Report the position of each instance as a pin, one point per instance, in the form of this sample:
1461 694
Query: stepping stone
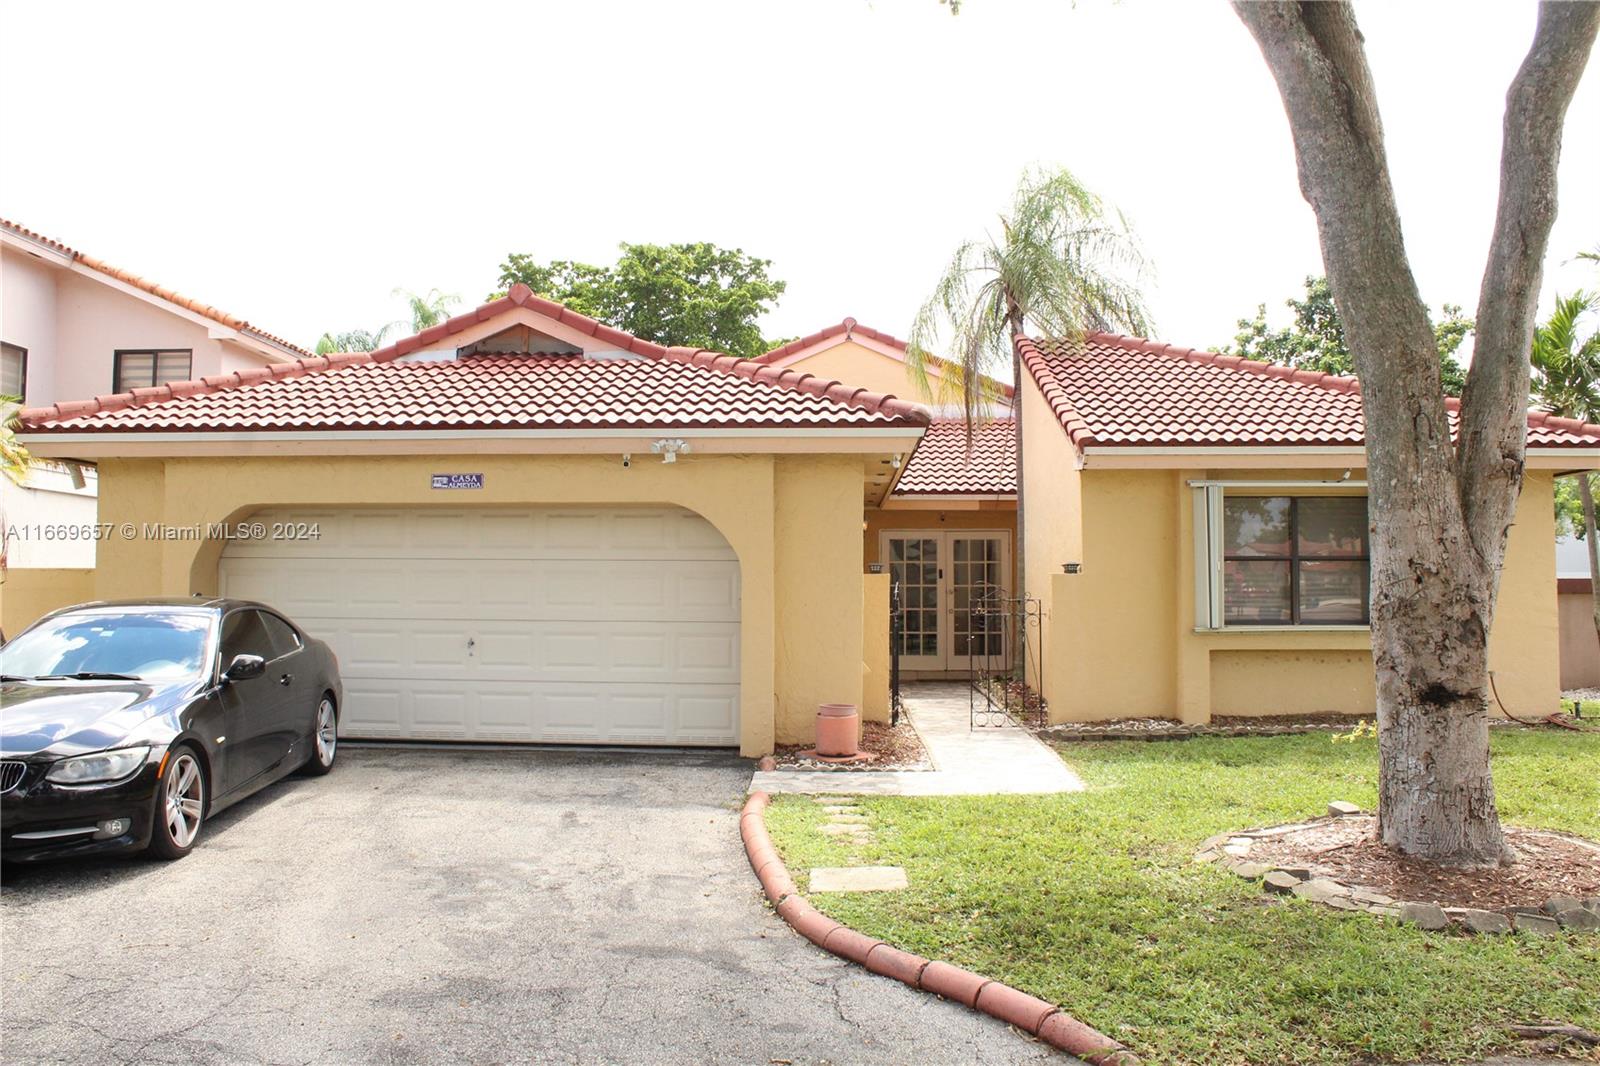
847 819
1342 809
858 879
841 808
855 832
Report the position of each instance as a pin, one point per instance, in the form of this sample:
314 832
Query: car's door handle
285 679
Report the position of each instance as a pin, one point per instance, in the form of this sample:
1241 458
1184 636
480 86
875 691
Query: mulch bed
896 747
1347 850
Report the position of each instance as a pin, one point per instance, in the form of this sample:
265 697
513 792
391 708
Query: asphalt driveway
430 906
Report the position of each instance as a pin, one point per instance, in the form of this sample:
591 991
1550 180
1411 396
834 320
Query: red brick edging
1033 1015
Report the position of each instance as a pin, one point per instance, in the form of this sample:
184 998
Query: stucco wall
864 368
1123 639
1580 647
27 594
819 589
1054 536
794 522
28 317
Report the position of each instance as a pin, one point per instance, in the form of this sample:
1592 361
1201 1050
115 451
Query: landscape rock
1536 924
1579 920
1428 916
1367 895
1281 882
1557 904
1486 921
1251 871
1592 903
1343 903
1237 850
1208 856
1299 873
1342 809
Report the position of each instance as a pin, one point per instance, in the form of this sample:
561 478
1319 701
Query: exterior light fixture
1072 568
668 448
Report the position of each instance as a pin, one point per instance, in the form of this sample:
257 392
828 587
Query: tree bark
1586 495
1440 512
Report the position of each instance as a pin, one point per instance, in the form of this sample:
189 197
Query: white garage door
578 625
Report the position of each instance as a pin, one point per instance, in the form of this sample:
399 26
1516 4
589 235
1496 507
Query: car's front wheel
180 806
324 738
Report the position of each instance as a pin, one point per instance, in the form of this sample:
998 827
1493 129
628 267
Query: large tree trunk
1586 494
1440 512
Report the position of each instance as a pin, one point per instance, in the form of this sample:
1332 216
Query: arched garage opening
571 624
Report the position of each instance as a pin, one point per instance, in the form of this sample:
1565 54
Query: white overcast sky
294 163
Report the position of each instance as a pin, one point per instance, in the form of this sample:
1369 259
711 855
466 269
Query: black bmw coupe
124 726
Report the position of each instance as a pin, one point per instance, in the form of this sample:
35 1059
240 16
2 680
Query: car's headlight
101 766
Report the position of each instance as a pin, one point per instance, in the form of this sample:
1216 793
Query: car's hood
68 717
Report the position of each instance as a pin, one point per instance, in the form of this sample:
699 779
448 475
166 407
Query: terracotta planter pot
838 730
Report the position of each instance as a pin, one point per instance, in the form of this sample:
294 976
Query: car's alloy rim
185 800
327 732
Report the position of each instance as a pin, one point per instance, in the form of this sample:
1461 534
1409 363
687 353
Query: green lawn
1091 901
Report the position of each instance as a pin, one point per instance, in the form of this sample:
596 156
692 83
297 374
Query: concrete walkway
967 762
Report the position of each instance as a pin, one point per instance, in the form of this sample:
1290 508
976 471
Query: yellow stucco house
1195 530
524 525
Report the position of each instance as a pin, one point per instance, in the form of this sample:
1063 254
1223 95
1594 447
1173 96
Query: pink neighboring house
72 326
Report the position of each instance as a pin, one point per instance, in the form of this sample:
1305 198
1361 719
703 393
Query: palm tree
427 310
1566 379
1062 262
355 340
14 457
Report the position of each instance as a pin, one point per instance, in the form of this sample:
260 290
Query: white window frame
1207 497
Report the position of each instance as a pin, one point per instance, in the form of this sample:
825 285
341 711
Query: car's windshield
160 646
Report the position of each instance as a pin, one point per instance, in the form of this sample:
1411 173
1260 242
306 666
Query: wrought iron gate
1006 632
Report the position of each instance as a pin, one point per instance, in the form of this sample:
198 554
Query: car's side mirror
244 667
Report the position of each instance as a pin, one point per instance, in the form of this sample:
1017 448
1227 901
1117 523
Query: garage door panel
544 713
588 625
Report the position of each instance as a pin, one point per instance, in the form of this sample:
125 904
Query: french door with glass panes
946 578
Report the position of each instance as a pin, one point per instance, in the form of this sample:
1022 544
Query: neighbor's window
143 368
1294 560
13 370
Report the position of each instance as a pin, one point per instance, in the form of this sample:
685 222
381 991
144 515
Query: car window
281 633
153 645
243 633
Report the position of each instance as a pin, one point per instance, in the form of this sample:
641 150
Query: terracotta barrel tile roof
944 465
848 327
665 388
851 328
1126 391
169 295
